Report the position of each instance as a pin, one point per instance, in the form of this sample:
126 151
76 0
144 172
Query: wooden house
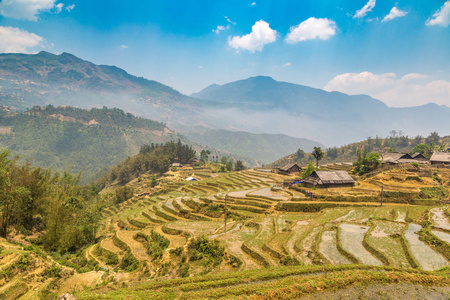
440 158
289 169
419 156
393 158
328 179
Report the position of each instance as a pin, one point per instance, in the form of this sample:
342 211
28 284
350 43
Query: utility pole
226 212
382 186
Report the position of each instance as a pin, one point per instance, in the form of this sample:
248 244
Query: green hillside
348 153
62 138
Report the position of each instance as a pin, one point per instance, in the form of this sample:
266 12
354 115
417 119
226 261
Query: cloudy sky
395 51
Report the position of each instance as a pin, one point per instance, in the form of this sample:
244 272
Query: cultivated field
271 234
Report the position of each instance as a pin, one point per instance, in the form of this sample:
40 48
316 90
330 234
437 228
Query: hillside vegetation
348 153
159 226
62 137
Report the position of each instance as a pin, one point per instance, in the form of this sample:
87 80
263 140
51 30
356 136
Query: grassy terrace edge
270 282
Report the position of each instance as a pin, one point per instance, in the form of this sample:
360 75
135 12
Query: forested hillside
396 142
89 141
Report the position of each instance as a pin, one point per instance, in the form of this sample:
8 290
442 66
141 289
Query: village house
440 158
329 179
394 158
419 156
289 169
178 165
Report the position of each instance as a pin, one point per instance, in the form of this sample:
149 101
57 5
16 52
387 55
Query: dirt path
424 255
137 248
89 253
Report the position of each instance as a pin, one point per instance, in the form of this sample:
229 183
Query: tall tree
318 155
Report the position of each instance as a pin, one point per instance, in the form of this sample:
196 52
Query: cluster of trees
366 161
33 199
155 158
227 164
104 116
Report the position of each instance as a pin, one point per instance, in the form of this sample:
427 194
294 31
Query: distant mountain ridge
257 105
332 117
264 148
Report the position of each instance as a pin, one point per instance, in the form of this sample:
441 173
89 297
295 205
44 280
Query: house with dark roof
440 158
328 179
419 156
289 169
395 158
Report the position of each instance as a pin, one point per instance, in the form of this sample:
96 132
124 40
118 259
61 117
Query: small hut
328 179
192 178
178 165
289 169
440 158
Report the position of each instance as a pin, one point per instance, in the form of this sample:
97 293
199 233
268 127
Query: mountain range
257 105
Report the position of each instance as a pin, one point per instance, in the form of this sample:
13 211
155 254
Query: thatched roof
286 167
329 177
440 157
394 157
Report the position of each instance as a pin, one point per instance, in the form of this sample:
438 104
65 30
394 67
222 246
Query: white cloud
361 13
410 90
15 40
394 13
288 64
123 47
25 9
253 3
59 7
220 28
441 17
229 21
70 7
261 35
312 29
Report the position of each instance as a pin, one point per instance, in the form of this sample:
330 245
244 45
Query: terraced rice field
427 258
261 234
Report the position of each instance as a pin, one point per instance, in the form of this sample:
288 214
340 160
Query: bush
202 248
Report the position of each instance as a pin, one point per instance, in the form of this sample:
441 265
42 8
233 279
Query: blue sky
396 51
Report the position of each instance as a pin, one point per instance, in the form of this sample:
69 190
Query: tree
424 149
300 154
239 165
433 138
308 170
318 155
332 152
366 162
203 156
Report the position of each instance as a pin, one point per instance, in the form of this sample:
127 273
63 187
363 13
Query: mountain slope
264 148
334 118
